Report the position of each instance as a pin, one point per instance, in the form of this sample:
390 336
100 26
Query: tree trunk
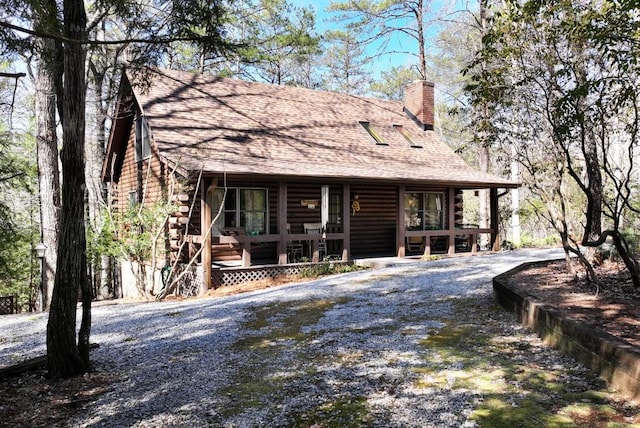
64 357
421 44
94 153
483 135
626 256
593 226
48 172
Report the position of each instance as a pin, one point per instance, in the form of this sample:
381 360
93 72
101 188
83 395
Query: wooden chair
294 248
415 244
313 228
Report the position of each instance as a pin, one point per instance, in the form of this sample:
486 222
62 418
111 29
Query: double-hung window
424 211
143 139
241 207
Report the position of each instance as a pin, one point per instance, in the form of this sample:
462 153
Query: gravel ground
346 346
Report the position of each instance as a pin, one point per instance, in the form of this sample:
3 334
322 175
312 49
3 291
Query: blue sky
400 42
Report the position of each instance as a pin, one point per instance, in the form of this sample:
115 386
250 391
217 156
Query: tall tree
378 21
452 49
48 86
482 130
581 59
64 357
273 36
103 64
189 21
19 275
344 66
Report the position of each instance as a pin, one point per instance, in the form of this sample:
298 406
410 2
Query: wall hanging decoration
309 203
355 205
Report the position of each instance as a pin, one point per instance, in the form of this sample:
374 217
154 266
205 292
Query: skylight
407 136
378 139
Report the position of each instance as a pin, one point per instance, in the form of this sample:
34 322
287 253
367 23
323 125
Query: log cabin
280 175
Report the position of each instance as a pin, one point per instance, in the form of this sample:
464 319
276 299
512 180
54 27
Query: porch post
495 237
282 223
400 227
205 220
246 252
451 214
346 219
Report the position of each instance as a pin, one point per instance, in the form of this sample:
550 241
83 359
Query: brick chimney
418 103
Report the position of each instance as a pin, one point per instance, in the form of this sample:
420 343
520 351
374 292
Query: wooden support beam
346 216
206 191
246 253
495 236
400 226
315 252
282 223
451 219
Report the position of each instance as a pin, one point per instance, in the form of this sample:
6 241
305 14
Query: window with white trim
424 211
243 207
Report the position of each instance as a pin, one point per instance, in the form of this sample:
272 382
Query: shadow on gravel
412 346
517 380
416 345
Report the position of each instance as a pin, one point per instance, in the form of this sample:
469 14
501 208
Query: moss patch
472 349
342 412
468 354
274 330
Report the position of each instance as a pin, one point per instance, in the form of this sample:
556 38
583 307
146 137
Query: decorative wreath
355 207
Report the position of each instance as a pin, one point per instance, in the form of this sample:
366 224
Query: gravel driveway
347 350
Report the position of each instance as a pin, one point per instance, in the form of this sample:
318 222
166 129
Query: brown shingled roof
225 125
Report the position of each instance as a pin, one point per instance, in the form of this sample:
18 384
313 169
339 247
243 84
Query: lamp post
41 249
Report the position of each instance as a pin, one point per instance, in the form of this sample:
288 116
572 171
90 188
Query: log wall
147 178
298 214
373 228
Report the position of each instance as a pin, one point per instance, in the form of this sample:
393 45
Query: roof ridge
209 78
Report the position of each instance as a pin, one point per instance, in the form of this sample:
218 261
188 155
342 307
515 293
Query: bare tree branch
12 75
150 40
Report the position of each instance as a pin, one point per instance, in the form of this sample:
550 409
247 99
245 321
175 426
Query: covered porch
253 221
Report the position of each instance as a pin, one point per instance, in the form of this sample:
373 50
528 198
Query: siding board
373 228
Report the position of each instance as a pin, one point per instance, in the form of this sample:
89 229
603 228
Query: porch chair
312 228
294 248
415 244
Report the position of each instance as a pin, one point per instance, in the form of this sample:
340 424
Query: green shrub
528 241
328 268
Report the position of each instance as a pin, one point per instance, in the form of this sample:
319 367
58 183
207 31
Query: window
407 136
335 208
143 140
331 208
378 139
253 210
424 211
133 197
246 208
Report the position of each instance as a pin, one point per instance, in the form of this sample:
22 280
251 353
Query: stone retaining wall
613 359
